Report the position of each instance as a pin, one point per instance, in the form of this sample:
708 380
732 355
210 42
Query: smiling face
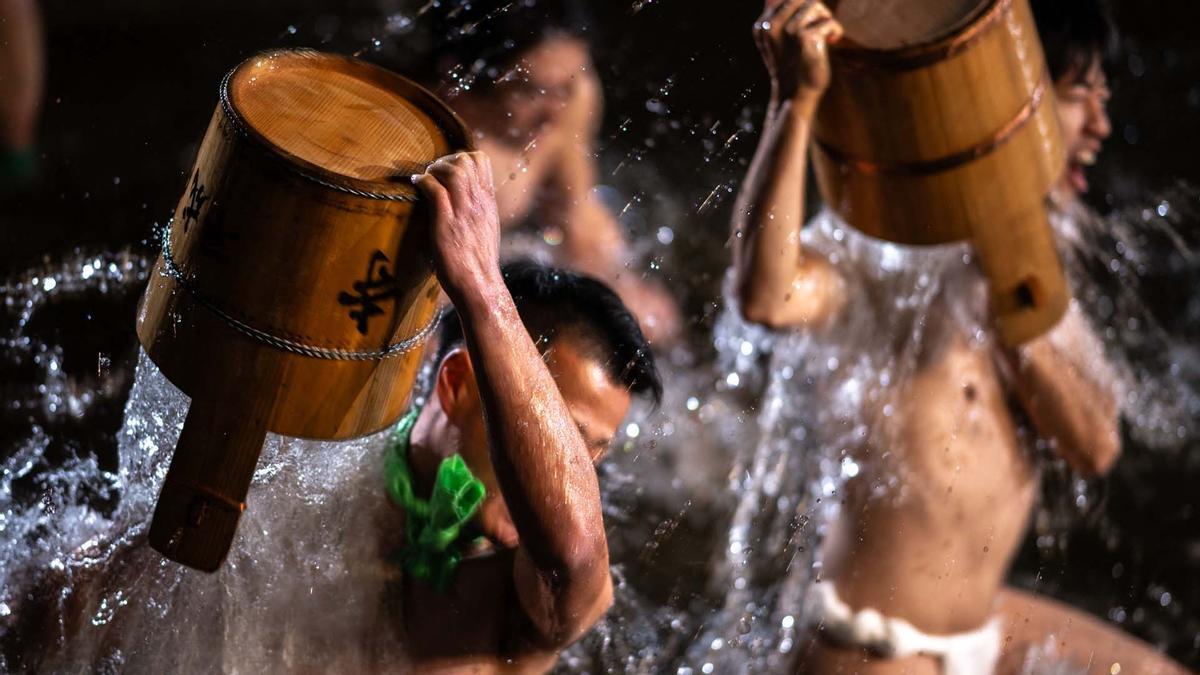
1082 94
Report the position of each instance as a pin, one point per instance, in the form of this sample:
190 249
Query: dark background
132 84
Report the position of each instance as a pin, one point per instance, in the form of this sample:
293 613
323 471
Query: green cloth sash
435 529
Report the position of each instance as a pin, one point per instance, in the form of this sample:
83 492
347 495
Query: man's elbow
575 625
1096 454
764 316
1107 450
584 597
757 308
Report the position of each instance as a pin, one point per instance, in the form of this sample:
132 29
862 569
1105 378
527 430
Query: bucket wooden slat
947 139
295 290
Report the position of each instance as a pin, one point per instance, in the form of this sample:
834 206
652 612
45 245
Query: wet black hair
473 42
555 303
1073 32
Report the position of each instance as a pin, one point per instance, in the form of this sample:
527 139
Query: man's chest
473 616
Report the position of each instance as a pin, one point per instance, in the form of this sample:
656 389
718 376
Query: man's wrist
805 103
804 100
479 292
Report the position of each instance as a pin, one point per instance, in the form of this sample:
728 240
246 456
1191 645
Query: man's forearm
770 209
540 459
1068 406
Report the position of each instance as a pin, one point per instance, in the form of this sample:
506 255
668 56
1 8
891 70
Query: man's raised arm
540 458
592 239
776 285
1069 393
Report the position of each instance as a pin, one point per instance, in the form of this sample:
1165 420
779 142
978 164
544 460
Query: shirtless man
915 583
535 106
535 373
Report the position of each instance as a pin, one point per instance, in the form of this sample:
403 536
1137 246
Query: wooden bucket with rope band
294 293
938 126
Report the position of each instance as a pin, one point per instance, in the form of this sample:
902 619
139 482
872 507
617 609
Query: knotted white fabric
971 653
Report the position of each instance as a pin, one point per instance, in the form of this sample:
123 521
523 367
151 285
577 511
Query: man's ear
455 385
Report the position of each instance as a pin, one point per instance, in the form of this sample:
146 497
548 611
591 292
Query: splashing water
303 585
818 388
306 586
827 390
1110 260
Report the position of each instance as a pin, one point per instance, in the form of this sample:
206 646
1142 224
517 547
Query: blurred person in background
521 75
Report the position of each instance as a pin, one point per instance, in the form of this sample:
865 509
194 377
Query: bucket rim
848 52
458 134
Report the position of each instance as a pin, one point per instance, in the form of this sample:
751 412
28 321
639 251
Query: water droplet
849 468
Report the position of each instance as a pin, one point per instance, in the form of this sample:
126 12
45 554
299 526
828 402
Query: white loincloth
970 653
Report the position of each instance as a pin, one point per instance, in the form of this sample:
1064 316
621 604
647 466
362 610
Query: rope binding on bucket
404 346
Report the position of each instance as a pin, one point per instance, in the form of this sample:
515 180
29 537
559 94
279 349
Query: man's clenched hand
466 227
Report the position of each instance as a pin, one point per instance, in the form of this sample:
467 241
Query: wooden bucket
294 293
939 125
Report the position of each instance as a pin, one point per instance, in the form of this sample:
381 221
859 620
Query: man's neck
427 448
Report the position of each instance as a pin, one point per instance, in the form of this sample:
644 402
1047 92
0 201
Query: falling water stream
761 441
716 503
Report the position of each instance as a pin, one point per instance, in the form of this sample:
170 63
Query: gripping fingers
485 166
434 191
816 27
475 163
773 22
811 15
832 32
824 31
456 174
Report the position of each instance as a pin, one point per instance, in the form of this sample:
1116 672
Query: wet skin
478 624
538 125
966 500
938 554
531 428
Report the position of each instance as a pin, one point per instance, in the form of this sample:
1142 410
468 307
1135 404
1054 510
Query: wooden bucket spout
939 126
295 292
